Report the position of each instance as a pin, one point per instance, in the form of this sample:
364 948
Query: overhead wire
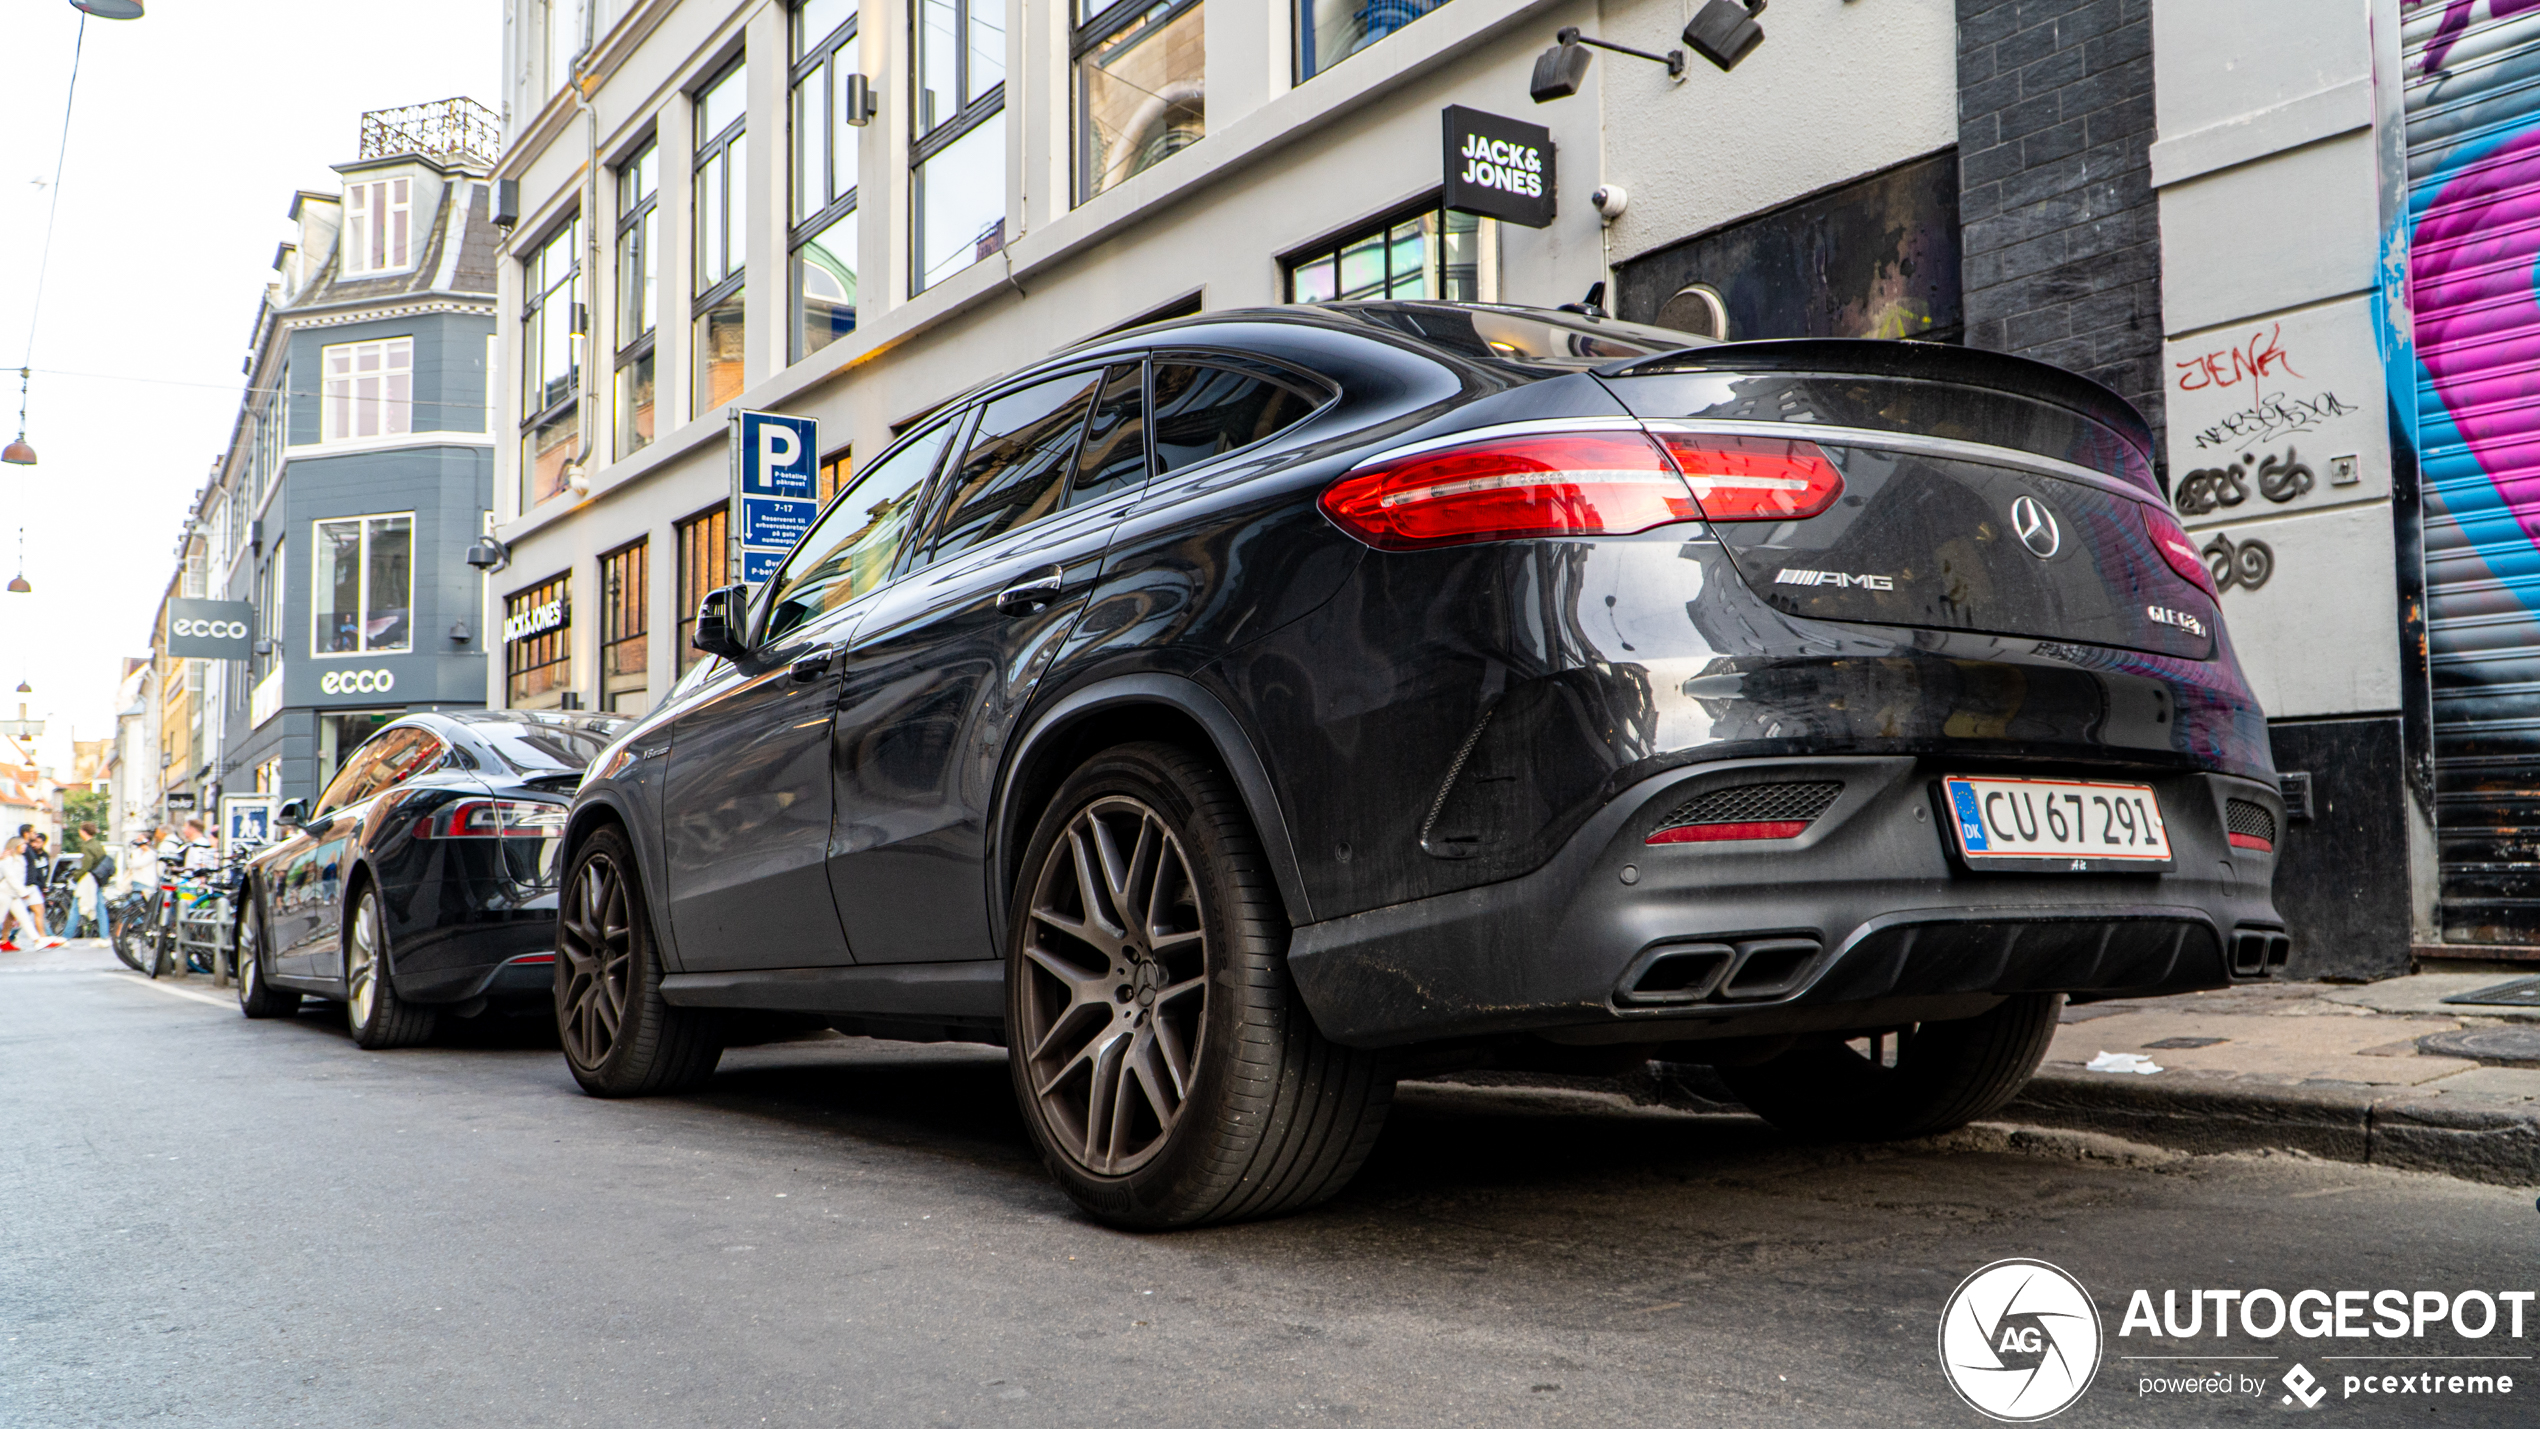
35 307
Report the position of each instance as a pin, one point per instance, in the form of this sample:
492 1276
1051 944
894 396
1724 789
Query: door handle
1033 593
812 666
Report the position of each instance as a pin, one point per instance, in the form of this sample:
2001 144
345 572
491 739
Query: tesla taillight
497 819
1604 483
2178 549
1754 478
1731 833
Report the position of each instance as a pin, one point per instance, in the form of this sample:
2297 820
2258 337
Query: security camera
1610 200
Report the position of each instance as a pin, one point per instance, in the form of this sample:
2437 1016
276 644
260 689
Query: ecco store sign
210 629
357 682
536 620
1498 167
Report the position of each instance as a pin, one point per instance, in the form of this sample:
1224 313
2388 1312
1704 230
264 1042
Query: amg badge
1795 576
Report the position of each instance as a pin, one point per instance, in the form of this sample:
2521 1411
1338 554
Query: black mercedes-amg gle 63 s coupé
1230 715
424 880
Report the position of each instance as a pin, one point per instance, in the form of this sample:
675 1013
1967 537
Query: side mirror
719 618
293 811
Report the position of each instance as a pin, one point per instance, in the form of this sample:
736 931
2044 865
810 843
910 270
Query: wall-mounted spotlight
860 103
1722 31
488 555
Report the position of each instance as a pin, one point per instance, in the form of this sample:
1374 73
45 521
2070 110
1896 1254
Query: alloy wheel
361 965
243 954
1116 954
595 938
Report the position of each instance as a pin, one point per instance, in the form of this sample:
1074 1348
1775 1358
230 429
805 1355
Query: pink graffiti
2478 321
2455 23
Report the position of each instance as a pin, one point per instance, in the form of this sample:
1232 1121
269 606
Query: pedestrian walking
38 861
17 905
88 894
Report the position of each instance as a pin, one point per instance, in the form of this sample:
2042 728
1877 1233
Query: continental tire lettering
357 682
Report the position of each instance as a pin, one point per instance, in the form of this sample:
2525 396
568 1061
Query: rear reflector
1754 478
2252 841
1608 483
526 959
1714 833
2178 549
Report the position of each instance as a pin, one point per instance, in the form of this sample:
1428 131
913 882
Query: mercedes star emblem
2037 528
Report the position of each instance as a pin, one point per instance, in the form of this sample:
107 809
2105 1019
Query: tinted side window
849 550
1018 463
1202 410
1114 457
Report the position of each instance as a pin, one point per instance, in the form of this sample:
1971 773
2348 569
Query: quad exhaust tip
2259 952
1753 969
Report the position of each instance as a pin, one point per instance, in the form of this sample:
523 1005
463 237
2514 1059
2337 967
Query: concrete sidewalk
2341 1072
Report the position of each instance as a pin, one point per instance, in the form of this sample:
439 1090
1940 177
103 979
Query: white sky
194 125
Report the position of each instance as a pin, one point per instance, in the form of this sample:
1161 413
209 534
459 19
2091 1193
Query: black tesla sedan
424 880
1227 714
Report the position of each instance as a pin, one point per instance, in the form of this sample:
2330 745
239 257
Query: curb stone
2338 1121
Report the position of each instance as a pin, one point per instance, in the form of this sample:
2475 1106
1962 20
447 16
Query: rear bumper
1864 920
457 939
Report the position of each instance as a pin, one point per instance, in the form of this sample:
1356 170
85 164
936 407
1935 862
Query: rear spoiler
1912 362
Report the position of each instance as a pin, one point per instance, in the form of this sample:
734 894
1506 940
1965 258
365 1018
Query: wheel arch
1123 709
604 808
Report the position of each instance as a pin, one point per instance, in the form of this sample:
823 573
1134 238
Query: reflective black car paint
455 911
1480 724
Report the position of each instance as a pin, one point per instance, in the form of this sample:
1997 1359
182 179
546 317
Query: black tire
132 939
380 1019
620 1038
256 997
1912 1081
1267 1116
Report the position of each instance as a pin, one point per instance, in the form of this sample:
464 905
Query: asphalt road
206 1221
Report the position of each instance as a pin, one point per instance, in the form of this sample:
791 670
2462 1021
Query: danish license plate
2057 825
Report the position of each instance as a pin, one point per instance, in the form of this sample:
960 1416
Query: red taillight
1754 478
497 819
2253 841
1563 484
1714 833
2178 549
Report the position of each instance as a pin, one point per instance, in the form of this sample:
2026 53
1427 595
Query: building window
834 475
625 583
364 584
550 365
1429 253
1140 90
957 209
538 645
378 227
822 238
1329 31
369 389
272 579
638 291
705 562
718 199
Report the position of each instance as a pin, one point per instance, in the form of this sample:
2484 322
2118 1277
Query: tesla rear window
537 747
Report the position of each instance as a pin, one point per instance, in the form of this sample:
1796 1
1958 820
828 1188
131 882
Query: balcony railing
455 130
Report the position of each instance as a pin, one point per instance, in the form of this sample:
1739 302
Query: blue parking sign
775 481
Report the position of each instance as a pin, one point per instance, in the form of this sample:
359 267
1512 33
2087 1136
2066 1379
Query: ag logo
2033 521
357 682
210 629
2019 1340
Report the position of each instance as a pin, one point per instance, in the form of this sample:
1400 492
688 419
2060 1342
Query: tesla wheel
257 997
381 1019
620 1038
1163 1060
1909 1081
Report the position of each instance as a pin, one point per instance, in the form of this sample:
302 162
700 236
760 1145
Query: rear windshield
1524 335
1922 541
549 745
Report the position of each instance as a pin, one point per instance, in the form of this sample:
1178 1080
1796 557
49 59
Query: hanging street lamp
109 9
18 453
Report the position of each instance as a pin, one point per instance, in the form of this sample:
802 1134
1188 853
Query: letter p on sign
778 447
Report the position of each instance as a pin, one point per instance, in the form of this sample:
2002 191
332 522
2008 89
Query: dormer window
378 226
